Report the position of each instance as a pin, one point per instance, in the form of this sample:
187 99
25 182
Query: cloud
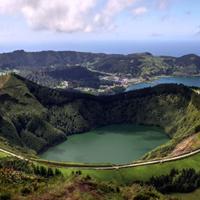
163 4
140 11
57 15
111 10
66 15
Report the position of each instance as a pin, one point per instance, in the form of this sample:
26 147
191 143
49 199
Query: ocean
167 48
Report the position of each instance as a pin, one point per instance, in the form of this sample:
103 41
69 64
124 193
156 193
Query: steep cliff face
38 117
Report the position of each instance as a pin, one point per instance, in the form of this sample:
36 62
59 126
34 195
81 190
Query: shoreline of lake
154 79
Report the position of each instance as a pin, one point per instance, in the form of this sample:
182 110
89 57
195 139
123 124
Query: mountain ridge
130 63
95 73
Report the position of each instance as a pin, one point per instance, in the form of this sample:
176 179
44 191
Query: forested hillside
141 64
37 117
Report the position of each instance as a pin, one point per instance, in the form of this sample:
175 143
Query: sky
33 22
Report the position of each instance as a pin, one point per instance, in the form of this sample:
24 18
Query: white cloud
59 15
163 4
66 15
112 9
140 10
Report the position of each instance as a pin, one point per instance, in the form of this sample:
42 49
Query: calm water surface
156 47
186 80
110 144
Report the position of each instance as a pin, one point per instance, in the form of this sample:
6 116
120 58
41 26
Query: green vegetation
2 154
143 173
184 181
141 64
113 184
23 180
18 177
189 196
19 112
35 117
51 68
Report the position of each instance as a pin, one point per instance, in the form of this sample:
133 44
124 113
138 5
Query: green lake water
111 144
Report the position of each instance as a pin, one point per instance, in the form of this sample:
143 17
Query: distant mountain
22 59
143 64
76 76
36 117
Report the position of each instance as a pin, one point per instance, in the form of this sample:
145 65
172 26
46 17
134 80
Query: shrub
43 171
58 172
50 172
46 172
146 196
117 189
16 164
78 173
25 191
88 177
186 180
5 196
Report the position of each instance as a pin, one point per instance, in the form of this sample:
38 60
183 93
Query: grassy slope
128 175
190 196
184 123
114 178
77 188
20 111
19 181
3 155
122 178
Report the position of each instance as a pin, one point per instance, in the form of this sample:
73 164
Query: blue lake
186 80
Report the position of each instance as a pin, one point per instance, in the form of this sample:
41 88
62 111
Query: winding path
101 167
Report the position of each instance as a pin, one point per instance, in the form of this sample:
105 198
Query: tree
58 172
50 172
43 171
